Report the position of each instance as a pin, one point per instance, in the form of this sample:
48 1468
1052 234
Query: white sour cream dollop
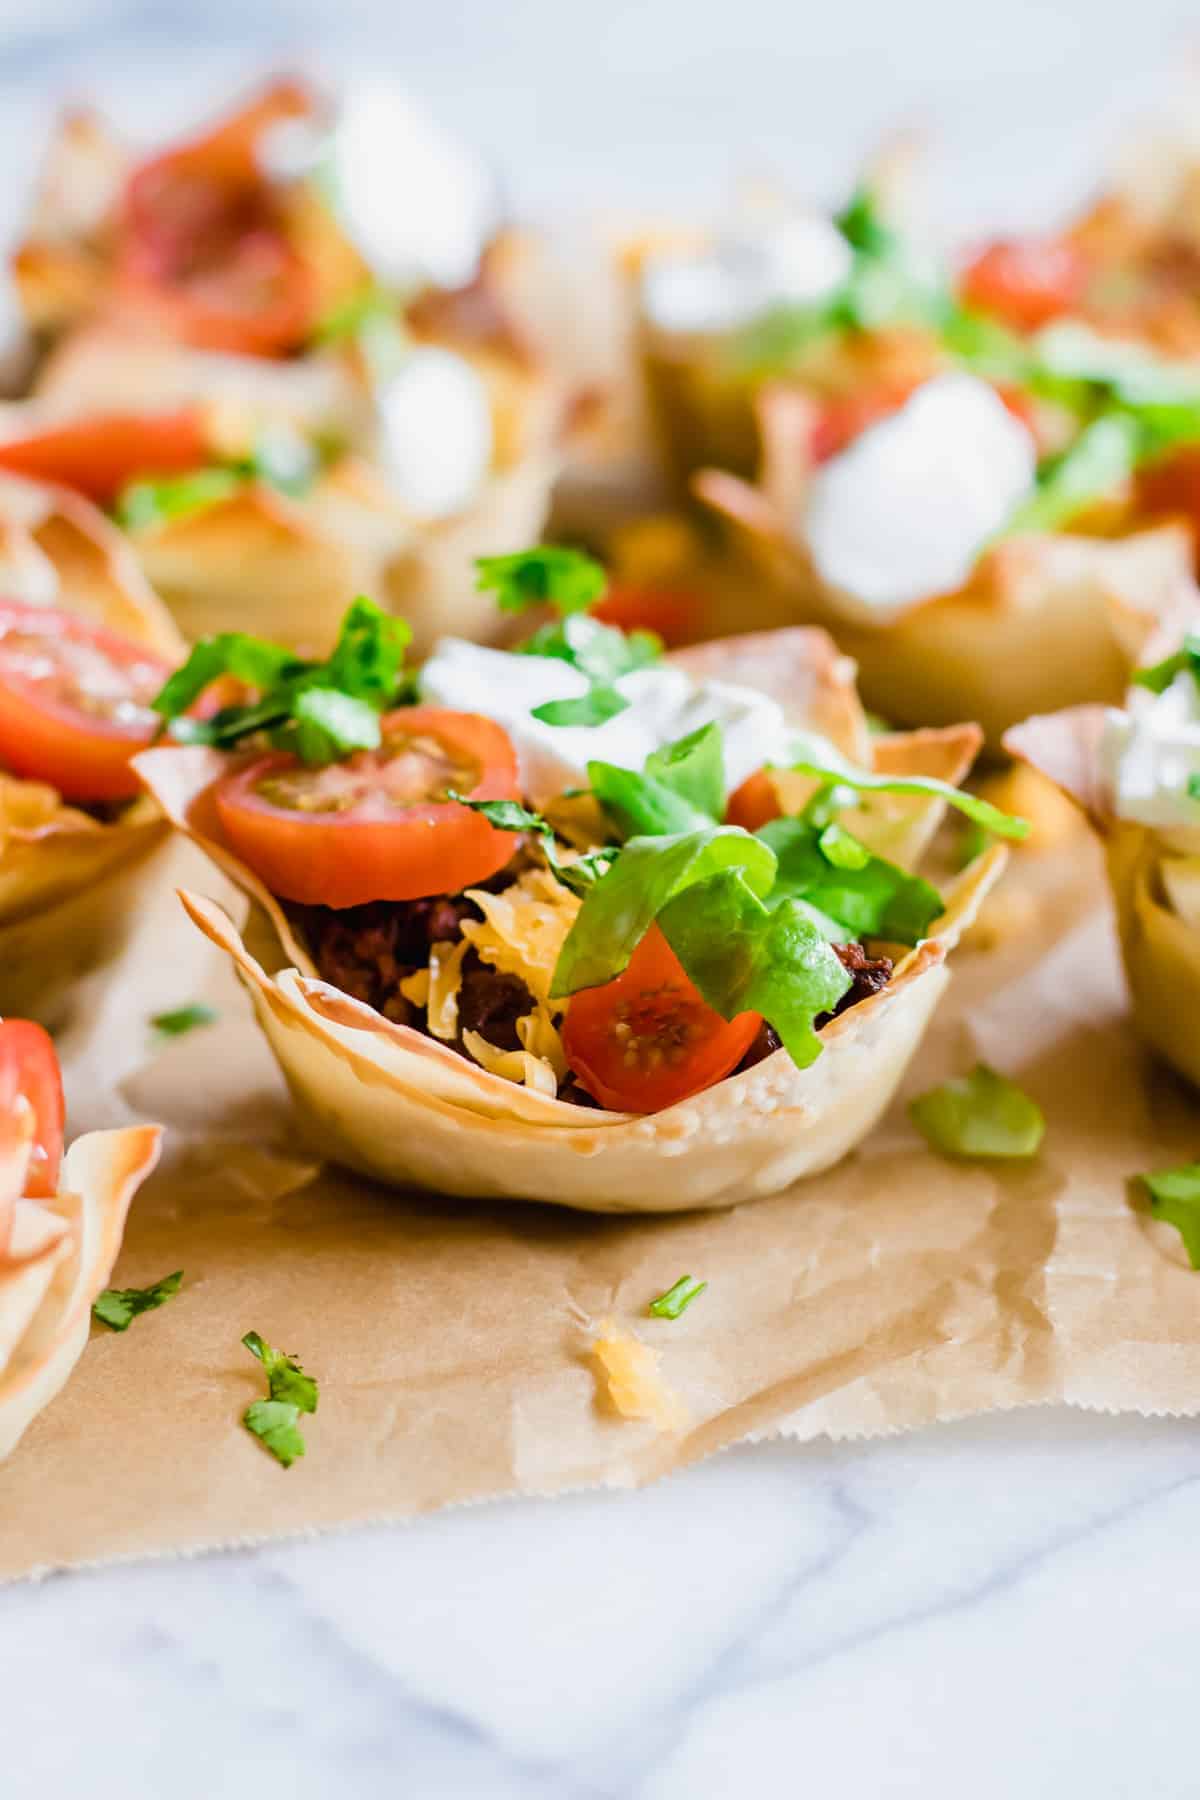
904 512
418 205
799 258
664 704
434 432
1149 752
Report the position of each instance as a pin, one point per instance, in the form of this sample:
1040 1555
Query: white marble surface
1005 1607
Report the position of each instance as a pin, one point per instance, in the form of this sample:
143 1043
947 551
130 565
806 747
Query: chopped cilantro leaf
118 1307
183 1019
549 575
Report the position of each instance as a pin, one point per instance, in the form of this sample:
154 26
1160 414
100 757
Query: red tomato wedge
29 1072
101 455
647 1039
377 826
202 249
1026 281
754 803
670 612
74 702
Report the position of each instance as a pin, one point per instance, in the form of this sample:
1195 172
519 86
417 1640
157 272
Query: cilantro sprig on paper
119 1307
319 710
570 582
677 1299
275 1421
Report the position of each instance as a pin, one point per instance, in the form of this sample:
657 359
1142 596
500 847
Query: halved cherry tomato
754 803
1026 281
74 702
647 1039
29 1072
101 454
202 247
377 826
672 613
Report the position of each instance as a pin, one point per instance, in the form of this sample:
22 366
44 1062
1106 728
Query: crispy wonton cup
404 1108
1044 622
1160 950
286 566
58 1257
69 884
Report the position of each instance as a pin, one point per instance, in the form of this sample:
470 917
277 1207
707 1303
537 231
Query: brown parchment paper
451 1341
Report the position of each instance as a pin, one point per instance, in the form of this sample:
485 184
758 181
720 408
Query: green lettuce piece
118 1307
650 871
548 575
681 787
1175 1197
982 1115
677 1299
320 711
151 502
1161 675
1127 371
743 956
1101 459
862 892
817 757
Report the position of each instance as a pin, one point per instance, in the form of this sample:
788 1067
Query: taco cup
1022 621
60 1226
1128 771
76 835
259 496
452 1003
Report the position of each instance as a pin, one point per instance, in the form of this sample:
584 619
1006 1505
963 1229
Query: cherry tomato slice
377 826
202 249
754 803
1026 281
29 1071
647 1039
669 612
101 455
74 702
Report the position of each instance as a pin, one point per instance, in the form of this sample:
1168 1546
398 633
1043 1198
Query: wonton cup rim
101 1173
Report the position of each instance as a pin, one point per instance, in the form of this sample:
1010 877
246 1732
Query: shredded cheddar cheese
512 1065
27 806
522 929
635 1386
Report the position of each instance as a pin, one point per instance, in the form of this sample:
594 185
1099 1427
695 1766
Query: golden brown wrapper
400 1106
1045 622
58 1261
1160 951
69 884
